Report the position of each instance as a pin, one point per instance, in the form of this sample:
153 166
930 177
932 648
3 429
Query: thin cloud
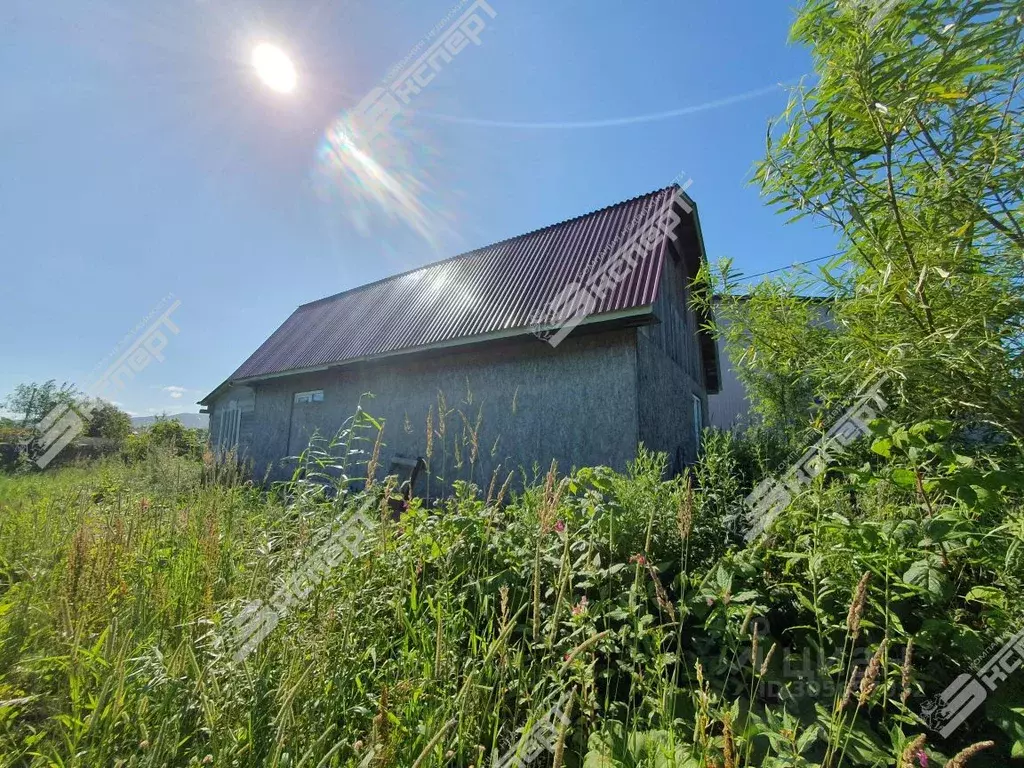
608 122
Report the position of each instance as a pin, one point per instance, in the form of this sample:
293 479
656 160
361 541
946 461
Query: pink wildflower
560 526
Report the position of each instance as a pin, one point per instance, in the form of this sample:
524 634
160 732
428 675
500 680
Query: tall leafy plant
908 143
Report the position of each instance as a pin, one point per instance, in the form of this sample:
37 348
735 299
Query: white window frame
229 421
312 396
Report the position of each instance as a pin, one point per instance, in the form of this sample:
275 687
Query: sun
274 67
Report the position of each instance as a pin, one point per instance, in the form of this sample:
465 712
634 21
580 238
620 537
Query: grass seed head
767 659
746 620
490 488
869 682
442 416
908 759
559 754
371 467
856 611
430 431
729 744
960 758
684 512
855 678
905 671
504 490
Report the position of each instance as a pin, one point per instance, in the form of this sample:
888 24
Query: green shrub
166 433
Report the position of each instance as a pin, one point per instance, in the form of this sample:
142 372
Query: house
574 342
729 408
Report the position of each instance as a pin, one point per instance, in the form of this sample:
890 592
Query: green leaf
904 478
723 577
927 575
882 447
1010 720
983 496
987 595
743 597
807 738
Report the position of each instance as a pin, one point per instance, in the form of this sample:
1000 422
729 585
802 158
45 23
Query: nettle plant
930 531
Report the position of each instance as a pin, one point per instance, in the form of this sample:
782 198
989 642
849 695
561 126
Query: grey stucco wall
730 407
666 404
670 373
576 404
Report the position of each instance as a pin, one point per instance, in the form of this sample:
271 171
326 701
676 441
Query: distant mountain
190 420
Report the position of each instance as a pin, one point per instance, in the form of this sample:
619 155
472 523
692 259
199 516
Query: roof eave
632 316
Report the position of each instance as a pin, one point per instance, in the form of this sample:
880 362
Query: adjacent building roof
501 289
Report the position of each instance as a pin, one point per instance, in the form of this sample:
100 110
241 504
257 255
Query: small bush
166 433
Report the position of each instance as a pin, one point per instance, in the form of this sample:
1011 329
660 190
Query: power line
791 266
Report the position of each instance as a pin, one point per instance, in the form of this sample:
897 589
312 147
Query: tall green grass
455 628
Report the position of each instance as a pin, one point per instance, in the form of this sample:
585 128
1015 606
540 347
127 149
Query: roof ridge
496 243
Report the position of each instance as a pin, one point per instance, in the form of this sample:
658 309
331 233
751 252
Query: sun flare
274 67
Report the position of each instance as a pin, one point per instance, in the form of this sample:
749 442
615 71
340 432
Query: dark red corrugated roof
499 288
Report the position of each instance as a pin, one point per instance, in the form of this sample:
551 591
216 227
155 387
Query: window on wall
229 420
313 396
698 420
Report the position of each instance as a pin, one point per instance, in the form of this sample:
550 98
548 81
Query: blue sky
143 157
